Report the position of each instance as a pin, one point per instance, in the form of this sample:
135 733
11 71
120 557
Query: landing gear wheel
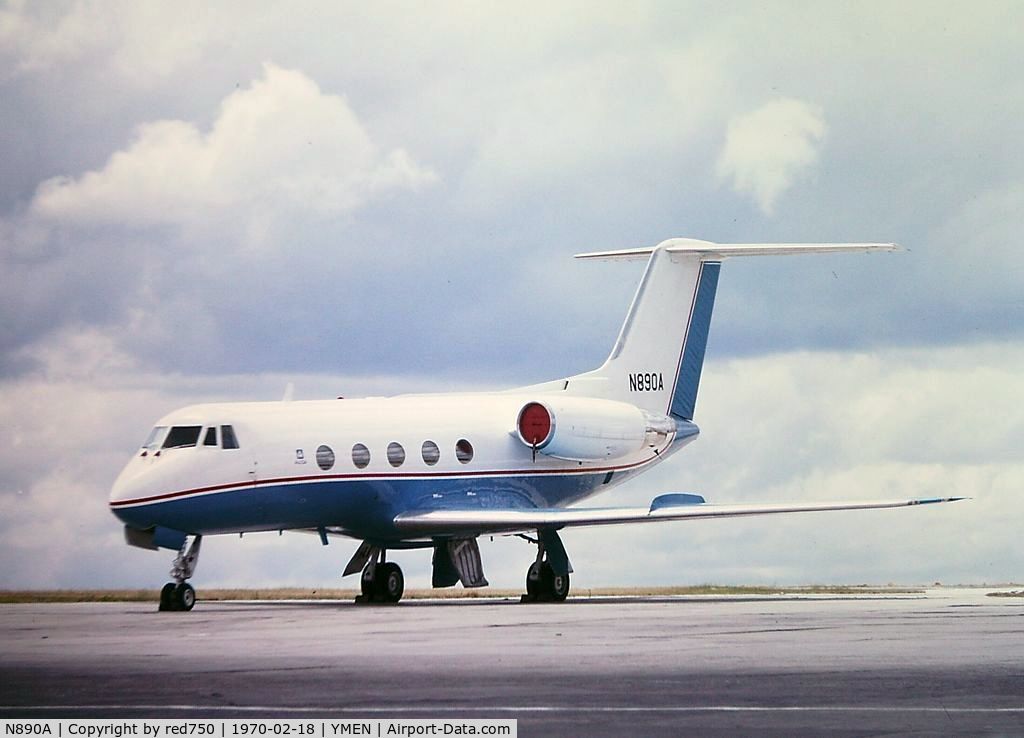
534 583
386 585
184 597
391 582
543 585
167 597
559 587
179 595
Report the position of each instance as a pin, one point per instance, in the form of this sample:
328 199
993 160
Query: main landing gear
543 585
547 579
381 580
179 595
458 560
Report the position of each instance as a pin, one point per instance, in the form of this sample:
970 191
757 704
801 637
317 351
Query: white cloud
30 42
138 41
80 353
156 238
768 149
599 119
983 231
279 145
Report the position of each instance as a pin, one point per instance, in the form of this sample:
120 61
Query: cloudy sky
205 203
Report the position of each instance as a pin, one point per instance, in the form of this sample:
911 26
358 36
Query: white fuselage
304 464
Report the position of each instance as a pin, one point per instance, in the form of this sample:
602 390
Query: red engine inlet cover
534 424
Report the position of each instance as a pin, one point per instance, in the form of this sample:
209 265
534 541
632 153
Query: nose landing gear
179 594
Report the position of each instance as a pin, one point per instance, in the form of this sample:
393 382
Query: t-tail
657 360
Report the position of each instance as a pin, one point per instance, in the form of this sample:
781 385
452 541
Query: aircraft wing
487 521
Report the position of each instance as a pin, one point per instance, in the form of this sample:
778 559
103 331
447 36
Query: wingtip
936 500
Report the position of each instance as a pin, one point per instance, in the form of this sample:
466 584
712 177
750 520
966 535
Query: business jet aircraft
438 471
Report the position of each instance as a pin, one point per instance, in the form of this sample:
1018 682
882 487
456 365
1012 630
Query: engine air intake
535 425
590 429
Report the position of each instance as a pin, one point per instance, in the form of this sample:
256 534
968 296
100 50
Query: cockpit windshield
187 436
182 436
156 436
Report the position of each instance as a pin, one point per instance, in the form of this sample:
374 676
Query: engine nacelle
583 429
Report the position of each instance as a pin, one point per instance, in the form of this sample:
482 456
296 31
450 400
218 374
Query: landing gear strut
179 595
547 579
381 580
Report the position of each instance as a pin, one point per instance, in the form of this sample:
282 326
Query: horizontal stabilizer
479 522
714 251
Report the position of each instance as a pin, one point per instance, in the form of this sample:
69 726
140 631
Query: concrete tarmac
946 662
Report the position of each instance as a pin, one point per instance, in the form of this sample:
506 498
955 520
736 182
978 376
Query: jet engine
584 429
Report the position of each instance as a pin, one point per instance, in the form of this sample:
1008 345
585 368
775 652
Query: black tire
184 597
534 582
167 597
366 585
559 587
392 582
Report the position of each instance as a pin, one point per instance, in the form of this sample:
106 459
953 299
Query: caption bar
145 728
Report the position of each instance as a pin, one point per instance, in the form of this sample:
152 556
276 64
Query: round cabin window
396 454
325 457
464 451
431 453
360 456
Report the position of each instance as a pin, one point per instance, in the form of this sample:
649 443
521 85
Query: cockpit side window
227 437
210 439
182 436
155 437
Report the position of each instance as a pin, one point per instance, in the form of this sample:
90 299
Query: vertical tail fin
657 359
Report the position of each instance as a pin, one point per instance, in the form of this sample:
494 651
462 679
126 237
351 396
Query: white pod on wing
585 429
